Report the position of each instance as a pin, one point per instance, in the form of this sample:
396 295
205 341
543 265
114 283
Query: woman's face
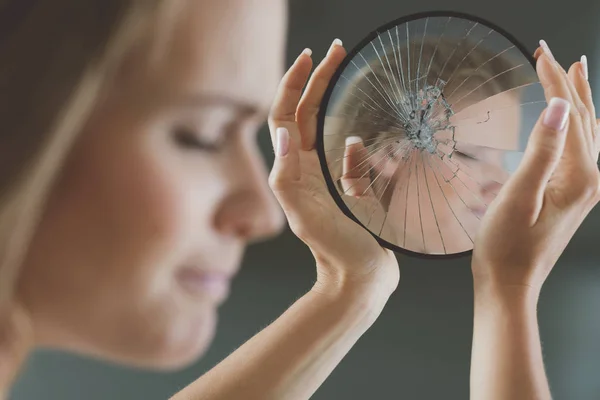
150 217
432 203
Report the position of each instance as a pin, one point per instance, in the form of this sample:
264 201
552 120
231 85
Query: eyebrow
244 107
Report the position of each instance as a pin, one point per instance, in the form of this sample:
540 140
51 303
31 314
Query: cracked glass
421 126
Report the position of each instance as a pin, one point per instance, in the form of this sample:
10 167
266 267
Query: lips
204 284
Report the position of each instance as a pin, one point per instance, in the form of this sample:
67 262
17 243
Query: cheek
149 204
122 217
157 212
114 218
125 213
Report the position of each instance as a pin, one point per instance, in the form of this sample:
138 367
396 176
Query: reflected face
437 105
147 225
433 202
448 193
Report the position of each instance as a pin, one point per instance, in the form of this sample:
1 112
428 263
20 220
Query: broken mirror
422 124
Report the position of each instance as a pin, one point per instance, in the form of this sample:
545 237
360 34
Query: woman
133 185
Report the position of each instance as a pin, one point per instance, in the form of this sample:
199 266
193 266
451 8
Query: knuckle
282 117
575 112
273 122
299 229
302 112
583 112
276 182
306 110
549 87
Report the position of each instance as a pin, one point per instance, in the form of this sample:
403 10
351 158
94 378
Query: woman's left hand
556 186
347 255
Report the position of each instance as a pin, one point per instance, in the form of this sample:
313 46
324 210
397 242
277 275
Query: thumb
543 153
355 179
286 168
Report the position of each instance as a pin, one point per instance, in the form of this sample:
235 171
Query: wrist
369 288
364 300
507 296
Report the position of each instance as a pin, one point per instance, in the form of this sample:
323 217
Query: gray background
420 346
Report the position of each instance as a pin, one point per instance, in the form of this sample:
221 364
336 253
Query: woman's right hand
539 209
347 255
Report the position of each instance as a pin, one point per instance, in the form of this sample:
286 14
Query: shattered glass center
425 112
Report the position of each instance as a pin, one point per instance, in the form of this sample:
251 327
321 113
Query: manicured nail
546 49
307 51
336 42
584 66
557 114
283 142
350 140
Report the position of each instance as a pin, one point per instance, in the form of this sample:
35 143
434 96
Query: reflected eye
464 155
190 140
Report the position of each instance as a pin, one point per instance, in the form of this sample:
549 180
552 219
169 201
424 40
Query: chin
173 348
180 348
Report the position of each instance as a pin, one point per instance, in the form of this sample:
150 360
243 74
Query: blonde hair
55 63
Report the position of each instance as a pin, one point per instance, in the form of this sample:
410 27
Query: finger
542 156
356 182
355 179
578 76
555 84
579 107
285 104
311 100
286 168
538 52
546 51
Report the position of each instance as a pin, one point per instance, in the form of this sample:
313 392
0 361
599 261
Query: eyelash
463 155
189 140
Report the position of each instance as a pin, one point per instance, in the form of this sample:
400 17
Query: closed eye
464 155
189 140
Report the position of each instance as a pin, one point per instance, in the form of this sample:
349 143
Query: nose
249 210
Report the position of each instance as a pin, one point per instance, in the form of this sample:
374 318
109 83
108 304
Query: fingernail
307 51
336 42
283 142
350 140
557 114
546 49
584 66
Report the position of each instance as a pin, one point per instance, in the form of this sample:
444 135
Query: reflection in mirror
423 124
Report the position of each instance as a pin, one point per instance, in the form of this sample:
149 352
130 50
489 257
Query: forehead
230 48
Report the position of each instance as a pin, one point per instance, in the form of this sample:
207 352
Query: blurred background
420 346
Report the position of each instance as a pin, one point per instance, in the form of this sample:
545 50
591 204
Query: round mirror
421 126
